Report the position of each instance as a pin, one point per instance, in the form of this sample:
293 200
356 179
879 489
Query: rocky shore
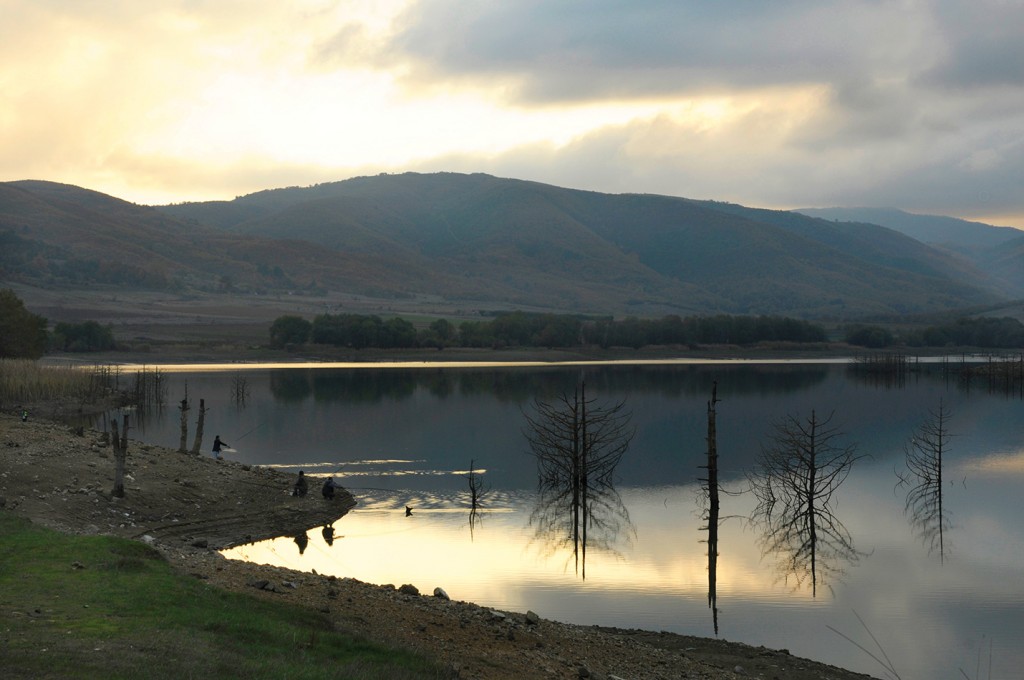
189 507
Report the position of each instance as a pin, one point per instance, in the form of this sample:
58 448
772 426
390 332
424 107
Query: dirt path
190 506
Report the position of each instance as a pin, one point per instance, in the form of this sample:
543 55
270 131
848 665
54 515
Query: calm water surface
402 436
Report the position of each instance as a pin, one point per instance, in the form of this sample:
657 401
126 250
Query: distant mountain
491 243
998 252
59 235
956 234
643 252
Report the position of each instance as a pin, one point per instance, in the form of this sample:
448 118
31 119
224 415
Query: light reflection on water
660 583
407 438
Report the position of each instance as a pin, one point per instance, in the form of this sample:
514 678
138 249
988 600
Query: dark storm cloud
982 45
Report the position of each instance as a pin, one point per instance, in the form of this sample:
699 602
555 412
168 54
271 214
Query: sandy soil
190 506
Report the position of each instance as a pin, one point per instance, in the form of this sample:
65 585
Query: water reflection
477 490
710 493
797 475
415 451
328 533
301 540
924 507
578 445
521 384
596 519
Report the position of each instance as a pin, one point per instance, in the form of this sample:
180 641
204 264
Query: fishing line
250 431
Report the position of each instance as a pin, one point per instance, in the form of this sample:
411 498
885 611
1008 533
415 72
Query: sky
911 104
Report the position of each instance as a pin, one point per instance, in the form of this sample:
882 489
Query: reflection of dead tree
561 526
578 446
710 488
477 490
120 444
924 463
239 389
798 474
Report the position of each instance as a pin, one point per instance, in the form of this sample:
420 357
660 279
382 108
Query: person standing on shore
301 486
217 446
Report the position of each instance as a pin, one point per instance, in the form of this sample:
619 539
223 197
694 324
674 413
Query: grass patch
75 606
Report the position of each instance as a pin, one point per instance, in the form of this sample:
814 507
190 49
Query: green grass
125 613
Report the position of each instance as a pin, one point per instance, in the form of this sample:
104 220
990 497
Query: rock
200 543
532 618
259 584
409 589
498 616
439 592
148 540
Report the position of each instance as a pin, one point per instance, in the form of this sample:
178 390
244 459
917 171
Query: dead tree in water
198 441
477 490
183 407
924 504
798 474
578 446
711 490
239 389
120 444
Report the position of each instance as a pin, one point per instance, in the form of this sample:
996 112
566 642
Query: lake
408 435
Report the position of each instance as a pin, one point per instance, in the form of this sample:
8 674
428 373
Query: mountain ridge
503 243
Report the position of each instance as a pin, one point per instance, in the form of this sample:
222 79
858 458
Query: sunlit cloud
918 105
1010 463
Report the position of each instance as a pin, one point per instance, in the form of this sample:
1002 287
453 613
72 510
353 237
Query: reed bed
23 381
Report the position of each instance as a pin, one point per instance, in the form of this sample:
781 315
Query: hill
996 251
479 242
571 249
63 236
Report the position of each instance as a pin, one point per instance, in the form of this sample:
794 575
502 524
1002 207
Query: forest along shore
188 507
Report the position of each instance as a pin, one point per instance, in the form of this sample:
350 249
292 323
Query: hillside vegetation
484 243
997 252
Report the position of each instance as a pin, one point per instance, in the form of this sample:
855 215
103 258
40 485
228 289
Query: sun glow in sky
916 104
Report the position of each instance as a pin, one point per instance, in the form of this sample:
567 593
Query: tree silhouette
924 505
710 490
578 445
796 478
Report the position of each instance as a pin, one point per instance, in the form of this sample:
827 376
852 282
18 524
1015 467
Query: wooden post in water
120 444
184 408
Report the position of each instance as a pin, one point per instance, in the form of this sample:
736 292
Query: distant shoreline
188 357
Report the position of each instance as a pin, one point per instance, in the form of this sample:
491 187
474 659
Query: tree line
24 335
984 332
523 329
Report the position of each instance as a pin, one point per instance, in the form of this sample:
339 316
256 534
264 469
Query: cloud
912 103
982 45
575 51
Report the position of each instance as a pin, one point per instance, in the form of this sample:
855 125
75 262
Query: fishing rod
250 431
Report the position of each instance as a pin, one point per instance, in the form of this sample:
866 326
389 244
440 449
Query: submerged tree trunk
201 421
713 506
183 407
120 444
